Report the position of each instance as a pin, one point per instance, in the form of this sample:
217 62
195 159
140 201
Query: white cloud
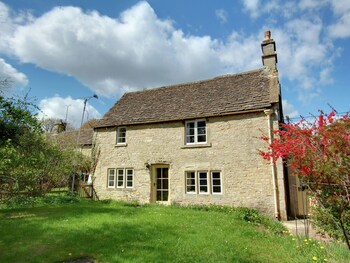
222 15
58 108
14 77
289 110
252 6
304 56
136 51
341 29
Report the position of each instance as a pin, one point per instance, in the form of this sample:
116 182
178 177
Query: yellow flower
325 259
293 238
321 247
305 240
314 258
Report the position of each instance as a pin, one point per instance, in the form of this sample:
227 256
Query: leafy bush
323 222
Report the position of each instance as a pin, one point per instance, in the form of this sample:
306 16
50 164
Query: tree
319 154
29 161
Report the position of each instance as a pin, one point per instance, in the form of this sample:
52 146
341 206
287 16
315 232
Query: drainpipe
269 113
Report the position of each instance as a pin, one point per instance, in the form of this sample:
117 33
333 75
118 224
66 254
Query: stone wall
233 144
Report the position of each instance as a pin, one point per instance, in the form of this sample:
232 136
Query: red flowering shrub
319 154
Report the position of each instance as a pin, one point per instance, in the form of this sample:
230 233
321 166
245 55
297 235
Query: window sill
120 189
204 145
121 145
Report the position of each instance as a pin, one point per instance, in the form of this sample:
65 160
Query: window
121 135
198 182
191 182
111 178
129 178
120 178
203 183
196 132
216 182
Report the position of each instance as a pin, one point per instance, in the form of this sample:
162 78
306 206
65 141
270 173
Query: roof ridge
197 81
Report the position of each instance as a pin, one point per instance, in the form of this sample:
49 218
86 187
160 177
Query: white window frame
108 177
126 178
196 132
119 137
123 177
200 182
212 184
195 182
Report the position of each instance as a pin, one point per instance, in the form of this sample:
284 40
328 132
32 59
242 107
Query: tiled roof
68 139
222 95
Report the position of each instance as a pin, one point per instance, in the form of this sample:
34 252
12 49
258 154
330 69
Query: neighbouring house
196 143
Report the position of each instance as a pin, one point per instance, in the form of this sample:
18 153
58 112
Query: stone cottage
196 143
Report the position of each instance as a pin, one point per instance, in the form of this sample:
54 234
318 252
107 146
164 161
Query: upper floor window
121 135
196 132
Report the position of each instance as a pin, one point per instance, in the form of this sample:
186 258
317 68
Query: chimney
268 47
59 127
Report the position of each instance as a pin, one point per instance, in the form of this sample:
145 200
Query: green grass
121 232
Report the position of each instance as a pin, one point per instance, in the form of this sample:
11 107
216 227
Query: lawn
122 232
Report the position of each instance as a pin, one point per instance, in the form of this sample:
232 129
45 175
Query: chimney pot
267 35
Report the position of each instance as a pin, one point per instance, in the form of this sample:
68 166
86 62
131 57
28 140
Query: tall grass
126 232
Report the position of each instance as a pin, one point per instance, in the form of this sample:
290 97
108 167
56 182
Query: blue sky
64 51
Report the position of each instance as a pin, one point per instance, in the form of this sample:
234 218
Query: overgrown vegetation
31 165
60 229
319 154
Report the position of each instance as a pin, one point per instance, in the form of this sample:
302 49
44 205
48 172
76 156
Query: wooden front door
160 183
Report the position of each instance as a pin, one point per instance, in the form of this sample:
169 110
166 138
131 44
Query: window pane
217 189
191 189
165 195
201 131
190 125
165 184
203 189
216 175
165 172
191 181
202 138
159 172
190 139
203 182
201 124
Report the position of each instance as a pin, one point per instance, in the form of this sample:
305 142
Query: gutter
182 119
269 113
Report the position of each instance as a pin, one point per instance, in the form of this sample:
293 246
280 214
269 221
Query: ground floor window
120 178
111 178
216 182
203 182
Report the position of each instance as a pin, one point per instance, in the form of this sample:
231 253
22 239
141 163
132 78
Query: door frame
153 190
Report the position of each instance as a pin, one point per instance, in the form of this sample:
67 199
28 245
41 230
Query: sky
62 52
